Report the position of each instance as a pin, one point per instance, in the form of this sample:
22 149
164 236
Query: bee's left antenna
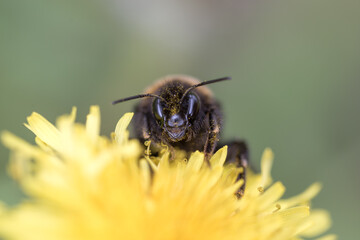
202 84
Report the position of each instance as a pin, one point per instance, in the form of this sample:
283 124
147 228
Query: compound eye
158 110
193 105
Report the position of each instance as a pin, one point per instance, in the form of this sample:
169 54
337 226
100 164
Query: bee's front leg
212 137
238 154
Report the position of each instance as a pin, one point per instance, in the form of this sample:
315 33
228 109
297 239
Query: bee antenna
137 96
204 83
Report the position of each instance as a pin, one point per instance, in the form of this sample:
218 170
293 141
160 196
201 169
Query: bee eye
158 110
193 105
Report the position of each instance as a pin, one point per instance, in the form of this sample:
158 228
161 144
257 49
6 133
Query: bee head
176 110
175 107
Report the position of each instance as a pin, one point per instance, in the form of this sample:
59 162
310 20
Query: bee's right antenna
137 96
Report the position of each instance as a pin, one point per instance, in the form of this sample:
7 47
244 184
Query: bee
181 112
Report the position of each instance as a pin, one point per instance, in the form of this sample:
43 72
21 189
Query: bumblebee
180 112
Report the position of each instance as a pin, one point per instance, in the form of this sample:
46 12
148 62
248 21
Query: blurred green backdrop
294 64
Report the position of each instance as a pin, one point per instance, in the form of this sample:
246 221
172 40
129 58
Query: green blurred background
295 69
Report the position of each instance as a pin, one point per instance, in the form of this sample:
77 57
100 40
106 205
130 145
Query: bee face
178 111
175 112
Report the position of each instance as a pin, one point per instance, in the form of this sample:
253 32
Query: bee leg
212 137
170 148
145 131
238 154
155 144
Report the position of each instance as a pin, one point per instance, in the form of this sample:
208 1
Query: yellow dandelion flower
85 186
